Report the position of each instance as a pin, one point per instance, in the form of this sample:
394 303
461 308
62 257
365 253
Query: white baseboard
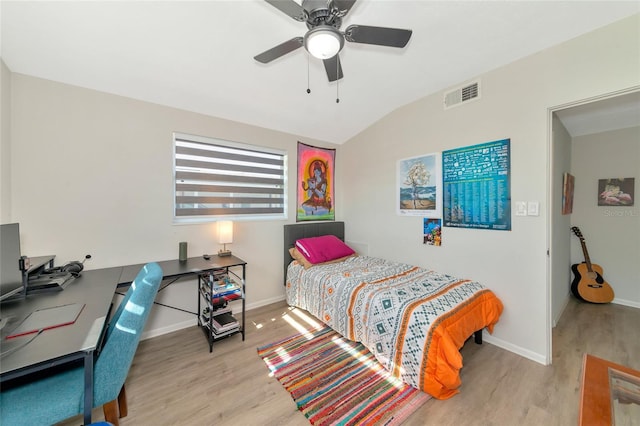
191 322
555 320
624 302
264 302
540 359
169 329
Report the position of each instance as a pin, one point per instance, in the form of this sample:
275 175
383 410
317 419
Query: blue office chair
53 399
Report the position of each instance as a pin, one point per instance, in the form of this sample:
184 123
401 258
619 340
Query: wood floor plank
174 380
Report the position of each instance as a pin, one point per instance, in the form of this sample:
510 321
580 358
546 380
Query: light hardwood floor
174 380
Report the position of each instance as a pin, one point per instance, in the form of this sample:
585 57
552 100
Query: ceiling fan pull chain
338 81
308 89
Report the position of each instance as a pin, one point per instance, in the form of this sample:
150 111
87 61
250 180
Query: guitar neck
585 252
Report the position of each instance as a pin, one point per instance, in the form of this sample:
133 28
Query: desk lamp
225 236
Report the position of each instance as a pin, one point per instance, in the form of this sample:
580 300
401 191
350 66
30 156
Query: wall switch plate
521 208
533 208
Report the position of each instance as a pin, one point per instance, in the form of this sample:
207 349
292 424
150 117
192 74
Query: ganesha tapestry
315 183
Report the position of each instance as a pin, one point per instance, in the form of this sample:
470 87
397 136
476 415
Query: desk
96 289
174 269
177 269
62 345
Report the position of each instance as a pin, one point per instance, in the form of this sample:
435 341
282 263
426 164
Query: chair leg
110 410
122 403
116 409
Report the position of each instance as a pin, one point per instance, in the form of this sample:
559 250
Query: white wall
612 234
93 173
560 253
5 143
515 104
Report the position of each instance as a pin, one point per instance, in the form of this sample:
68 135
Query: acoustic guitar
588 284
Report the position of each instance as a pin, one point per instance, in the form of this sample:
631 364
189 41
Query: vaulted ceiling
198 56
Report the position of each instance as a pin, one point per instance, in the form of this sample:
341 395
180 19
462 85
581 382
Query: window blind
216 178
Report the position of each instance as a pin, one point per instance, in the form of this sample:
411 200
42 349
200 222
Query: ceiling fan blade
344 6
289 7
280 50
333 68
381 36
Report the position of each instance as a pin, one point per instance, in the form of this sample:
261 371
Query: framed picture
316 186
568 185
419 191
616 192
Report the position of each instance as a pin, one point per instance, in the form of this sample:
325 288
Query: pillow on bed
323 249
295 254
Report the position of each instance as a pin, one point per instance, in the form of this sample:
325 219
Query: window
216 178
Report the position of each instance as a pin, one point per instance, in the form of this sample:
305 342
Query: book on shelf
224 322
229 293
221 334
221 300
226 288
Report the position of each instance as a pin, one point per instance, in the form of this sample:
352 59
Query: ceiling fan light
323 42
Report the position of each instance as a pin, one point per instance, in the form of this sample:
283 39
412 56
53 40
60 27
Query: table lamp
225 236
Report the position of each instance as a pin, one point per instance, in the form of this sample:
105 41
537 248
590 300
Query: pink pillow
323 249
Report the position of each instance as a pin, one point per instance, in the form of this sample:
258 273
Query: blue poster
476 186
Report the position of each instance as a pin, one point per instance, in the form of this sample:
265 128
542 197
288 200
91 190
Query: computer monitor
10 274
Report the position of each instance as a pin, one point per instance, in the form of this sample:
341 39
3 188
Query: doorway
590 120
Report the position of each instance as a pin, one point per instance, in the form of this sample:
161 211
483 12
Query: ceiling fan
324 40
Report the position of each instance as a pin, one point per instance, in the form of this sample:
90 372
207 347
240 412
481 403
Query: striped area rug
335 381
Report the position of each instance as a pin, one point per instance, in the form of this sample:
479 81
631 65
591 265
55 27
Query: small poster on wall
476 186
419 186
616 191
568 185
432 232
316 183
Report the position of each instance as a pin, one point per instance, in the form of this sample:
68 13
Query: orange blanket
442 360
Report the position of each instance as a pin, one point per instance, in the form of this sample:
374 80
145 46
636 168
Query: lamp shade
225 232
323 42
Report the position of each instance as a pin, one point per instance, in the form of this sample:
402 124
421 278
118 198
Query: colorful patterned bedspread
412 319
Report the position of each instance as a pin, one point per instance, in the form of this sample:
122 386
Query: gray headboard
294 232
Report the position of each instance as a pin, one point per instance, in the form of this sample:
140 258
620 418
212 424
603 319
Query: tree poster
419 186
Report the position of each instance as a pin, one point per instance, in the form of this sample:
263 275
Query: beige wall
560 248
93 173
5 143
612 234
515 103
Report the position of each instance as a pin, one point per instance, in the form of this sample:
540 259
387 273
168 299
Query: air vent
466 93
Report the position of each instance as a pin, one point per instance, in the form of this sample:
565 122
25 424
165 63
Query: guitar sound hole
592 275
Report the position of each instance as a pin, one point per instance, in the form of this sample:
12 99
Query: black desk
66 344
177 269
96 289
174 269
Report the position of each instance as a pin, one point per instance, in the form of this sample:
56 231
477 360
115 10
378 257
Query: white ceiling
619 112
198 56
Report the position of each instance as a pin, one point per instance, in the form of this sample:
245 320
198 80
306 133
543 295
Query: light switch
521 208
533 208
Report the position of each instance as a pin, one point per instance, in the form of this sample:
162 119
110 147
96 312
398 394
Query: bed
414 320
